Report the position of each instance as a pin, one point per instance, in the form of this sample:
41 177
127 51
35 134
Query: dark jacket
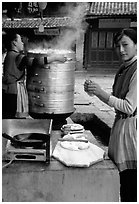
13 71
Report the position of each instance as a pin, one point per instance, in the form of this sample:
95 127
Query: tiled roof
96 9
113 8
35 22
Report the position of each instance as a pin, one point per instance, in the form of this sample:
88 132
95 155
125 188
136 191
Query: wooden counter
37 182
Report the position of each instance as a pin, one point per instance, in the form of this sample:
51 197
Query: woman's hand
56 57
87 87
93 88
60 58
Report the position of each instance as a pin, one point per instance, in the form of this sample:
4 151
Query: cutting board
80 158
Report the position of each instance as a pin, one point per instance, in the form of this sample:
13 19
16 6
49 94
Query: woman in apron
123 139
14 92
13 72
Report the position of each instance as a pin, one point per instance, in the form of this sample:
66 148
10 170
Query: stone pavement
84 103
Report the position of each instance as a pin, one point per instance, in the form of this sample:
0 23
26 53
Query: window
109 40
94 39
102 36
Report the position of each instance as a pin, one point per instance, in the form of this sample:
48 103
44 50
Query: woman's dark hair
131 33
11 36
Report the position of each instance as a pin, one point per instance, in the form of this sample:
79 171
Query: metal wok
34 140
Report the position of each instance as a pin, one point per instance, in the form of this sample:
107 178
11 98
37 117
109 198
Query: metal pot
51 86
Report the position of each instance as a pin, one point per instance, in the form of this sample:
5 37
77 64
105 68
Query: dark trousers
128 185
9 105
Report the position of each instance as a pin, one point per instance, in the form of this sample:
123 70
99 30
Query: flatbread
80 136
72 127
69 145
75 146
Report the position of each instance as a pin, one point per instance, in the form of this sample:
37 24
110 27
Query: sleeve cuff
111 101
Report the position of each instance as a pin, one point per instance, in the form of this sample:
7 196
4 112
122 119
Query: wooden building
105 19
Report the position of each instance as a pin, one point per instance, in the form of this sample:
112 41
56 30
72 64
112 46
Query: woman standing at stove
123 139
14 93
13 71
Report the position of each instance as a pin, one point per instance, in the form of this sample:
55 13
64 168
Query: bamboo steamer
51 86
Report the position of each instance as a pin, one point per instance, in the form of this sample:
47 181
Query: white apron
22 100
123 140
123 143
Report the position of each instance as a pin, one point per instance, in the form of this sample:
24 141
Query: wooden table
37 182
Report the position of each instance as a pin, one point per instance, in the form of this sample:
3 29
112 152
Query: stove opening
25 156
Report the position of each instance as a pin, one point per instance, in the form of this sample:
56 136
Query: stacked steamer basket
51 86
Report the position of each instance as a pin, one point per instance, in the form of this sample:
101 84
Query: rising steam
68 37
77 25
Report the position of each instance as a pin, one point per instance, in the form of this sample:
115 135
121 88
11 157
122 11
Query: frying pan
27 140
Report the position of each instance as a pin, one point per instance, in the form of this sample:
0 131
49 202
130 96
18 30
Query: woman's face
126 48
19 43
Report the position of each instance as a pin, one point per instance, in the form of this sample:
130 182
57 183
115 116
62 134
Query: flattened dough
74 146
